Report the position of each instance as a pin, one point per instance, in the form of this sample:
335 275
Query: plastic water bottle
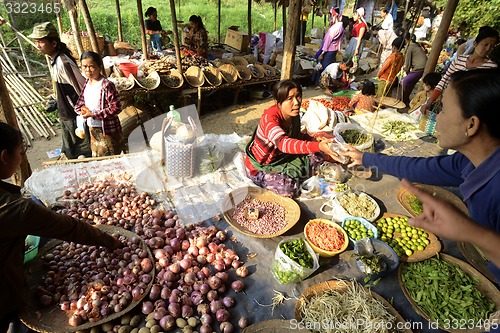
174 113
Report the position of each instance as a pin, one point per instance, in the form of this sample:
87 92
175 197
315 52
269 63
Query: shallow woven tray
239 60
243 72
229 73
194 76
259 71
403 197
174 74
339 285
123 83
212 76
292 209
484 285
269 70
53 320
429 251
153 77
274 326
477 259
391 102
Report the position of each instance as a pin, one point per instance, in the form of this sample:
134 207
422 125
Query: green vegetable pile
373 263
354 137
415 204
297 251
398 129
445 292
356 230
402 237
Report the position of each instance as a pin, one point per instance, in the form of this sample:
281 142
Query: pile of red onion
191 261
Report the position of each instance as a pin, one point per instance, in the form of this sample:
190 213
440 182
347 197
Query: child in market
390 68
100 105
364 101
430 81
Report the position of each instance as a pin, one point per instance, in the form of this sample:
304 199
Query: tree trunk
143 32
90 26
8 115
293 21
176 35
119 19
441 35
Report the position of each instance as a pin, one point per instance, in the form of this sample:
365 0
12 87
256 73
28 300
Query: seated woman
153 28
467 125
364 101
279 155
197 37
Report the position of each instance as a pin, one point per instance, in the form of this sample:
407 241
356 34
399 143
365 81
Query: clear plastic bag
286 270
310 188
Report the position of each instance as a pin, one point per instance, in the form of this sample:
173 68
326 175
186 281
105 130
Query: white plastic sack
310 188
342 127
319 118
317 33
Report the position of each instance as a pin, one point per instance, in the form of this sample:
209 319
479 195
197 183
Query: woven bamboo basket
257 71
229 73
270 71
251 59
69 40
212 75
174 79
239 60
194 76
243 72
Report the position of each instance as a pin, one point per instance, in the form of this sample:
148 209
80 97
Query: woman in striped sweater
483 44
279 155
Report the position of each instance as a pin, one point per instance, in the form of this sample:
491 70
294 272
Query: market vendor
21 217
196 39
357 33
485 41
468 125
153 28
69 82
335 77
279 155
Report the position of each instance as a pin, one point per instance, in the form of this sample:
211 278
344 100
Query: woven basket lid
243 72
194 76
229 73
269 70
212 75
174 79
239 60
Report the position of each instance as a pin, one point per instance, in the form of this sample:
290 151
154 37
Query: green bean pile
398 129
445 292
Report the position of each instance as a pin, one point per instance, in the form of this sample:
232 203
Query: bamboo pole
7 113
176 35
441 35
287 67
283 14
249 17
73 18
218 20
90 26
275 10
21 47
59 23
119 18
143 31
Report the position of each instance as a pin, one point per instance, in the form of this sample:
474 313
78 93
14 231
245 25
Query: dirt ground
240 118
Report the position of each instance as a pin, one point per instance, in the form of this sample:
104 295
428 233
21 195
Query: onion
243 322
159 313
196 297
228 301
242 271
204 288
215 306
237 285
222 315
185 264
174 309
187 311
167 323
214 282
175 268
212 295
146 265
226 327
213 247
203 309
147 307
165 292
223 276
206 329
221 235
190 278
155 291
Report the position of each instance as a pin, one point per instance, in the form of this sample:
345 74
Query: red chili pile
191 282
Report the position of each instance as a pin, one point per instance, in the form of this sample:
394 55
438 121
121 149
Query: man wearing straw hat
69 82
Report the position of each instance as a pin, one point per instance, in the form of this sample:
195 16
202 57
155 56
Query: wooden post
143 31
441 35
59 23
283 14
90 26
176 35
73 18
249 18
219 4
8 115
293 22
119 18
275 9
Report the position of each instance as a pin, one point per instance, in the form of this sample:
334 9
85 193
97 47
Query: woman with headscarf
357 33
331 43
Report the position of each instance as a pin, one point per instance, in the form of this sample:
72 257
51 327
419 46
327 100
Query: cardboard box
300 67
237 39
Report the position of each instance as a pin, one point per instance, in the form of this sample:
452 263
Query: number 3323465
33 7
